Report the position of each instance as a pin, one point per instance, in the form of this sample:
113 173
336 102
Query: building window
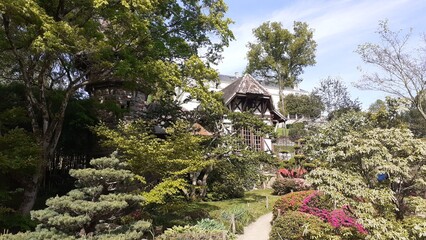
252 139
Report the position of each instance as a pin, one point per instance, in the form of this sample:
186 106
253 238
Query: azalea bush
292 173
295 225
290 202
309 215
287 185
337 217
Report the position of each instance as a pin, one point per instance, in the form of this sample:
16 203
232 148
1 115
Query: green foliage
19 152
247 120
297 131
295 225
416 227
19 156
332 132
176 212
164 163
150 45
351 175
12 108
98 207
387 114
242 216
206 229
309 106
280 55
237 173
79 117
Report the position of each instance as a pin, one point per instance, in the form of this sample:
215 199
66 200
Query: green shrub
295 225
415 226
290 202
287 185
13 222
205 229
175 212
225 190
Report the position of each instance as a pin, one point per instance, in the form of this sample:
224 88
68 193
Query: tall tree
309 106
335 96
62 45
400 71
279 55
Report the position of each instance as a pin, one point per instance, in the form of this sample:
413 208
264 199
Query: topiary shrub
103 205
295 225
290 202
287 185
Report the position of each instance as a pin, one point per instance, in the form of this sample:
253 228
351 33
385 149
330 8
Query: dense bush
175 212
294 225
415 227
287 185
205 229
290 202
226 181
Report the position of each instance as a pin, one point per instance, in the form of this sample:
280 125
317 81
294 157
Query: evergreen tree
105 205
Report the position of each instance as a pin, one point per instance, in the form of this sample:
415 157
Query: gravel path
258 230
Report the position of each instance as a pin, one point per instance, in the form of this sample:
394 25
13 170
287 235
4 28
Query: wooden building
246 94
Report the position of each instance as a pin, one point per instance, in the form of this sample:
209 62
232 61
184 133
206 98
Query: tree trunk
49 139
33 184
30 192
420 108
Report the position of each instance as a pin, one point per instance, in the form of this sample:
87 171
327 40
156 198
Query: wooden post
279 212
233 223
267 202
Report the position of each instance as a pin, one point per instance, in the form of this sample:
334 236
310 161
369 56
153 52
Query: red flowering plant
337 218
290 202
292 173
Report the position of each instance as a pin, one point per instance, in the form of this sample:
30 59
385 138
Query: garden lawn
245 210
254 200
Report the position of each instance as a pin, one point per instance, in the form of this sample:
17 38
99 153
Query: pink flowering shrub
337 218
290 202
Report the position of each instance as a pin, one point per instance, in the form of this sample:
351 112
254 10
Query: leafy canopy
373 170
309 106
279 55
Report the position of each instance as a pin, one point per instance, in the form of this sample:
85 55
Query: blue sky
339 27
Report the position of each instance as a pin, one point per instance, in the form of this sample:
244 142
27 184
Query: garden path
258 230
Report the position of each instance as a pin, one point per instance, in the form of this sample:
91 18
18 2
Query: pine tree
105 205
